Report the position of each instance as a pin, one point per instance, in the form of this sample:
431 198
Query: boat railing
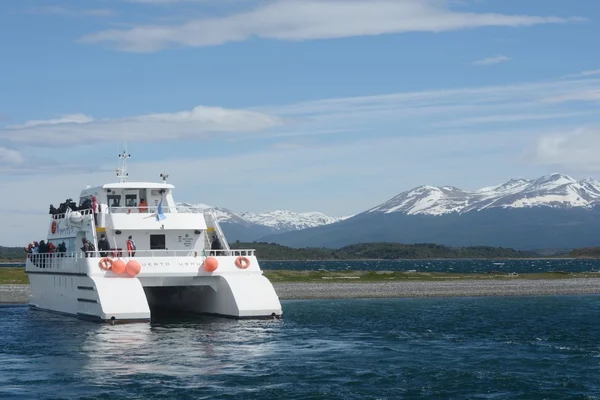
56 261
231 252
141 210
87 211
62 260
124 253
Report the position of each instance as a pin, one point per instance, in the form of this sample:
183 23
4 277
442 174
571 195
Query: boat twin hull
118 300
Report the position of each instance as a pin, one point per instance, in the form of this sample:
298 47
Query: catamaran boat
172 266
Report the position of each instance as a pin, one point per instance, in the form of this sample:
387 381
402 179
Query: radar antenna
122 173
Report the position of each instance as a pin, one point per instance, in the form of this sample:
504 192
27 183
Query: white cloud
10 158
311 19
489 119
583 74
578 149
492 60
580 95
459 107
416 112
78 129
71 12
65 119
500 102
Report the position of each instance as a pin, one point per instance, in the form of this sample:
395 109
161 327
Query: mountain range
248 226
553 211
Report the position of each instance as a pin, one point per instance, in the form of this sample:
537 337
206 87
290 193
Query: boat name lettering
60 231
190 264
156 264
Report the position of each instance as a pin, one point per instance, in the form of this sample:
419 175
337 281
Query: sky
306 105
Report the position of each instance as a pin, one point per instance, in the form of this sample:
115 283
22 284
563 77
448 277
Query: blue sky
330 105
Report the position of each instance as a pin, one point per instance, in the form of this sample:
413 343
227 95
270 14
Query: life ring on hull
105 263
242 262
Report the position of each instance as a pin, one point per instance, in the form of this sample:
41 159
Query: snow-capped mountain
278 220
555 190
289 220
550 212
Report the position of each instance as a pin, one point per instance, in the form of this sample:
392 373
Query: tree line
366 251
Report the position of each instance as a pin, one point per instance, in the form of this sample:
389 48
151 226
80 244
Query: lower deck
77 285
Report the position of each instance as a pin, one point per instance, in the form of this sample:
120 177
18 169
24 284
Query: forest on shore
366 251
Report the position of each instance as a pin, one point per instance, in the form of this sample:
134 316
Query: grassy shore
282 276
17 276
13 276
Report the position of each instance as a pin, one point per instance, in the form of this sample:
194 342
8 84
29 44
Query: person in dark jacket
103 246
87 247
215 245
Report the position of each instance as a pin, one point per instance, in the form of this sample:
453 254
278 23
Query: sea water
459 266
434 348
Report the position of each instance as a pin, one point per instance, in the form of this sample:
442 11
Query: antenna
122 171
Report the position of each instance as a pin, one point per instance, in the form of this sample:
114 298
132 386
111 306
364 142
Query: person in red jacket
131 246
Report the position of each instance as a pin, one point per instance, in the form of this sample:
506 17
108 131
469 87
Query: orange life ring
105 263
242 262
54 226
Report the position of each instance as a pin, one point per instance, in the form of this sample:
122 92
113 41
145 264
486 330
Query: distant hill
586 252
12 253
383 251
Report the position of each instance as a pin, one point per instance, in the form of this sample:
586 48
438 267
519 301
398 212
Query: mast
122 173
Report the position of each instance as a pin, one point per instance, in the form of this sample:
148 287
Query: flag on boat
159 212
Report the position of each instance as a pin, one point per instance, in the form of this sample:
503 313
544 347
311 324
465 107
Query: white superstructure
172 268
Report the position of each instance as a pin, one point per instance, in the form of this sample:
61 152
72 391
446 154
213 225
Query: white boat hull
77 286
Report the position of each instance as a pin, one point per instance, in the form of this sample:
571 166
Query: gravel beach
14 294
437 289
18 294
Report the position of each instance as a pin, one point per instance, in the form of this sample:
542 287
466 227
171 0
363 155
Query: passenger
131 246
143 206
215 245
87 247
103 246
62 248
95 209
43 251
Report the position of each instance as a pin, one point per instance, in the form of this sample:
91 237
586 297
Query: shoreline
21 263
18 294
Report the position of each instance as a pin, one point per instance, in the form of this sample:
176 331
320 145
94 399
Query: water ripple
468 348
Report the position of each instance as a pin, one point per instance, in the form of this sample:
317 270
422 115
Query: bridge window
131 200
158 242
114 200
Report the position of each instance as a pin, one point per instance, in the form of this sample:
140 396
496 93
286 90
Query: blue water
451 348
462 266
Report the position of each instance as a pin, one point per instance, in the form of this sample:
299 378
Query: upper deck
142 215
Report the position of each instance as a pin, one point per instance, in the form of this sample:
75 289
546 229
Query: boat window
130 200
114 200
157 242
